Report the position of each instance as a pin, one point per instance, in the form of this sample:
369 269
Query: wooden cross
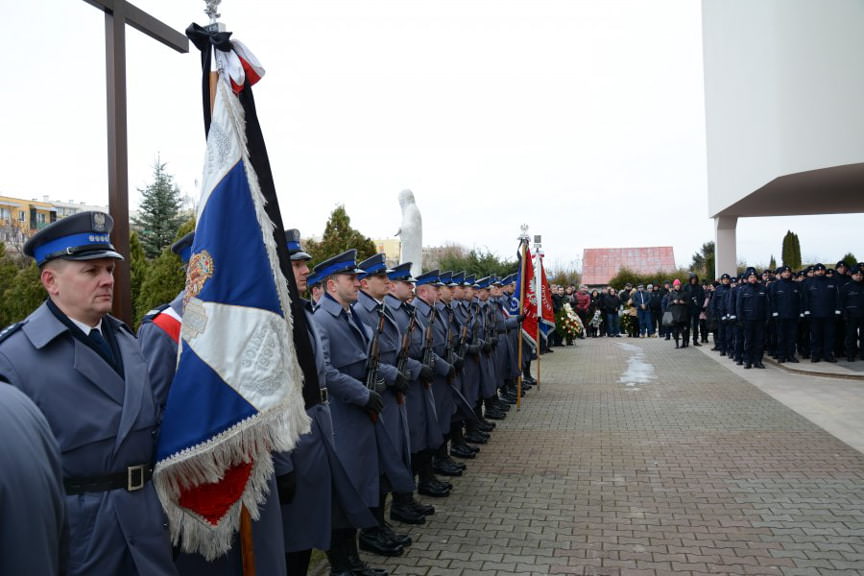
118 13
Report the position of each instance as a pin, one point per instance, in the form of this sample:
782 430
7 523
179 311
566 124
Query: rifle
374 359
428 352
402 359
448 351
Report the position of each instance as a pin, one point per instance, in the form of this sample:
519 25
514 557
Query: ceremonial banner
236 396
526 295
547 319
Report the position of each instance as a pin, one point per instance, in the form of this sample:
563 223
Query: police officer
159 338
31 489
821 306
751 308
718 310
852 306
784 296
434 334
423 424
391 428
159 332
72 352
315 492
355 407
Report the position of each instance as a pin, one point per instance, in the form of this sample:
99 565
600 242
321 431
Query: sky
583 120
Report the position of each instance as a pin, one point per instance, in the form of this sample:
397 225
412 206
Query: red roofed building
599 265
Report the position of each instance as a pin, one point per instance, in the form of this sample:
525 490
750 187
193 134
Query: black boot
341 541
402 509
356 566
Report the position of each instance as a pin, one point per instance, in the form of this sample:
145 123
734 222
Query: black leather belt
134 478
323 394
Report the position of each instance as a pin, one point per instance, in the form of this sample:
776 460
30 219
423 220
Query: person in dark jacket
751 308
694 295
721 314
610 303
679 308
821 306
784 296
852 306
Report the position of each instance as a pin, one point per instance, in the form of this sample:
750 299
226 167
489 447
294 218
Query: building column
725 248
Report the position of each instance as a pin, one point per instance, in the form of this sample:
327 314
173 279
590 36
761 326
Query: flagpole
247 544
523 242
538 291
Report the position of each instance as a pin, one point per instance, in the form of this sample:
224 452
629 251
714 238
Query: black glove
286 485
487 347
473 349
458 362
493 341
375 403
521 318
401 383
426 374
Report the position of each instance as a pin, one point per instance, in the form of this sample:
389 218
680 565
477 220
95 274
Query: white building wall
784 90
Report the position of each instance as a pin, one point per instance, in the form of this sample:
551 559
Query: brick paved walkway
636 458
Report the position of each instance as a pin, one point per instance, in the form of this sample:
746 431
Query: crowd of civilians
816 313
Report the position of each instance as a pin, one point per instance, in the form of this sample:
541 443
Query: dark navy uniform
784 296
751 308
107 443
852 306
821 306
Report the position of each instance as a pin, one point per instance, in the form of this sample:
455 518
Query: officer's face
83 290
376 286
445 294
343 287
402 290
301 273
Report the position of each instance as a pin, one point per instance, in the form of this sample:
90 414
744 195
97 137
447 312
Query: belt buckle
324 395
135 478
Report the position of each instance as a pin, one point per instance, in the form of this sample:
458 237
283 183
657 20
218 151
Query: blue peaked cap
376 264
82 236
444 278
295 250
344 263
469 281
401 272
483 282
457 278
183 247
430 277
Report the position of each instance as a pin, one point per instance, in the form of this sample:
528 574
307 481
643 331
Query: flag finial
524 235
212 12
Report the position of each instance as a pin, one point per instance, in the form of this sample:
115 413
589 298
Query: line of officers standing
810 314
410 372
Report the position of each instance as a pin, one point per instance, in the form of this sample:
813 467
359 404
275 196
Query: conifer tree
338 237
791 250
160 212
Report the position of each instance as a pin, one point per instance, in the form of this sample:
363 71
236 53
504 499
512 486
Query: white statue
411 233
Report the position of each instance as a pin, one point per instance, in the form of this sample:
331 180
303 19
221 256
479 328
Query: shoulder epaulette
154 312
11 329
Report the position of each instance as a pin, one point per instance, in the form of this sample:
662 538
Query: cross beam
118 13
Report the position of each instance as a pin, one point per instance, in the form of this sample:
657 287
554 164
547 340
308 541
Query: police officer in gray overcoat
391 428
83 369
32 510
354 407
316 494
